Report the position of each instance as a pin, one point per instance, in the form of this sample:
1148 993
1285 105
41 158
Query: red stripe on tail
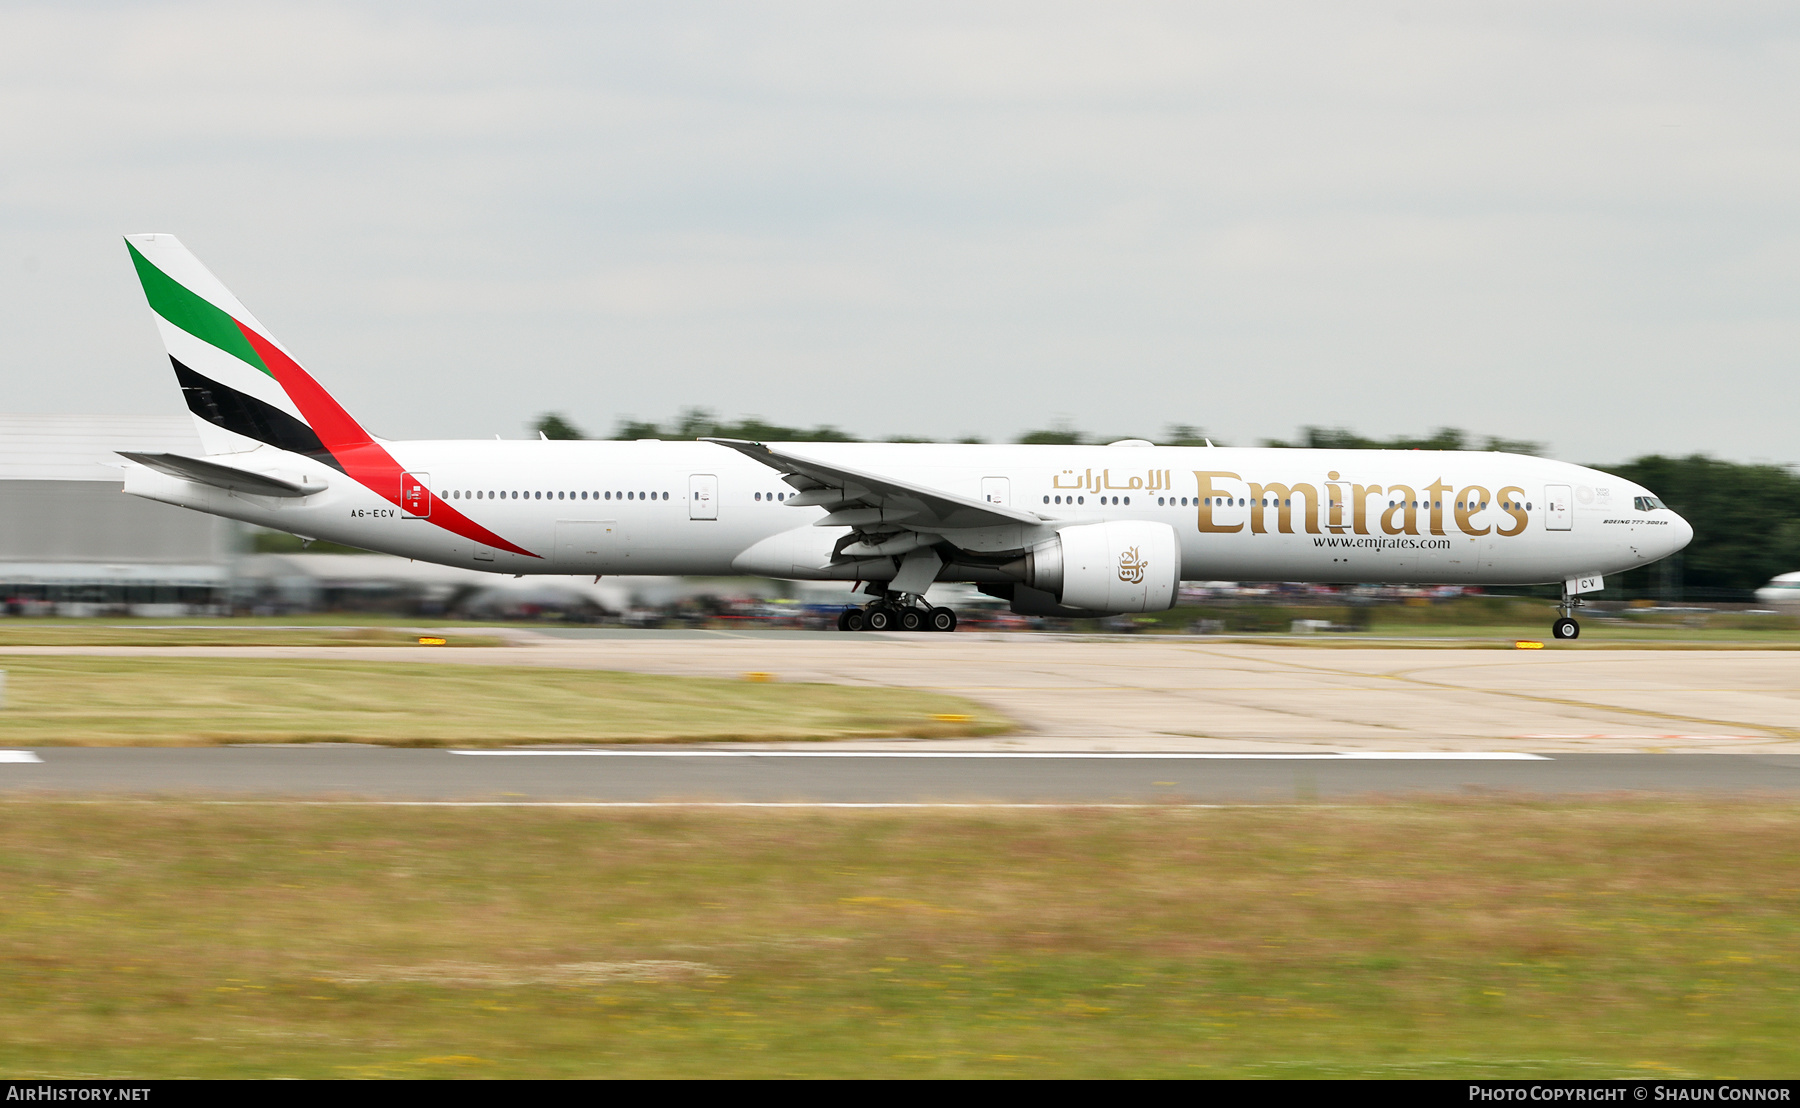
362 457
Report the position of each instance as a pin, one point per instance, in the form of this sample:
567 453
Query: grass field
147 701
1581 939
1465 623
223 633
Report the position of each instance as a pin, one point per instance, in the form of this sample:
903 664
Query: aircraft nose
1681 533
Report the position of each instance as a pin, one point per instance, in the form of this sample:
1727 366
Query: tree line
1746 518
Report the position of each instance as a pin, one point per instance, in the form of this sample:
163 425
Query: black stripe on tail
246 415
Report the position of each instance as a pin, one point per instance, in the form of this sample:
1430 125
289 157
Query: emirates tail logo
1131 567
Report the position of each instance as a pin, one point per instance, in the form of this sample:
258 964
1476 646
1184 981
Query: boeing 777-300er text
1055 530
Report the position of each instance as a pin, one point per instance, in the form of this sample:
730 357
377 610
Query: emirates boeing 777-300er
1055 530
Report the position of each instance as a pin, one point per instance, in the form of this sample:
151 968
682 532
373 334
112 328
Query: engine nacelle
1121 566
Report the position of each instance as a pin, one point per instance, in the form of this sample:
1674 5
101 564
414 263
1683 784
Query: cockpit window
1646 503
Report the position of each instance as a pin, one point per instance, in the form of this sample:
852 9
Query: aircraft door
415 495
1559 509
703 496
996 490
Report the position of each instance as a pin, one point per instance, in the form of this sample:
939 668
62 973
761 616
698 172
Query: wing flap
908 506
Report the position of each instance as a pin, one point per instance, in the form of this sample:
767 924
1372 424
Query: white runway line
1160 756
690 804
18 756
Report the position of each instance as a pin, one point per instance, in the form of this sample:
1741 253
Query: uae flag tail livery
246 391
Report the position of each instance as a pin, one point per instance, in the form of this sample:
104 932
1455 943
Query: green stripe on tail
198 317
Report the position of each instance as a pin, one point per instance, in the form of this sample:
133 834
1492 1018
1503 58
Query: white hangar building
72 543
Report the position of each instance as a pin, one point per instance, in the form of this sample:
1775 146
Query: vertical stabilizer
244 389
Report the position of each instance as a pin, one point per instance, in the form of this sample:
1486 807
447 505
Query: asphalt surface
345 772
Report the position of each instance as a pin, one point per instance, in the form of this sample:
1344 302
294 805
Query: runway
342 772
1177 693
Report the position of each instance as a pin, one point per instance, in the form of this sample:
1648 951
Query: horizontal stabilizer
224 476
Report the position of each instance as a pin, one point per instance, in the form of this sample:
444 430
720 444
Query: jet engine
1120 566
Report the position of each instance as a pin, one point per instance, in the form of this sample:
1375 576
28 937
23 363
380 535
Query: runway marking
1643 738
18 756
1110 755
697 804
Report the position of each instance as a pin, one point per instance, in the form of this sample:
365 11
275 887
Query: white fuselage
657 507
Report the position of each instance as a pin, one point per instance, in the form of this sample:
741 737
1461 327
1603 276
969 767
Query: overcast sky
1578 224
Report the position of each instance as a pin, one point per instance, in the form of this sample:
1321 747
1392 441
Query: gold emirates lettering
1405 510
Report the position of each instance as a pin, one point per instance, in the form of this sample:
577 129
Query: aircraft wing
870 502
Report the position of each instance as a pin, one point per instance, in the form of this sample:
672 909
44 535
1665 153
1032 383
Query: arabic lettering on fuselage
1087 480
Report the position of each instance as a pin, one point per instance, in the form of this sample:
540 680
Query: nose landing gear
897 612
1565 626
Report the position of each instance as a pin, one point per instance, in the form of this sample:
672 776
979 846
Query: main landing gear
1565 626
897 612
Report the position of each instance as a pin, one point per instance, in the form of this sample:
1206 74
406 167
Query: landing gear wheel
911 619
844 619
1565 628
878 618
854 619
940 619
